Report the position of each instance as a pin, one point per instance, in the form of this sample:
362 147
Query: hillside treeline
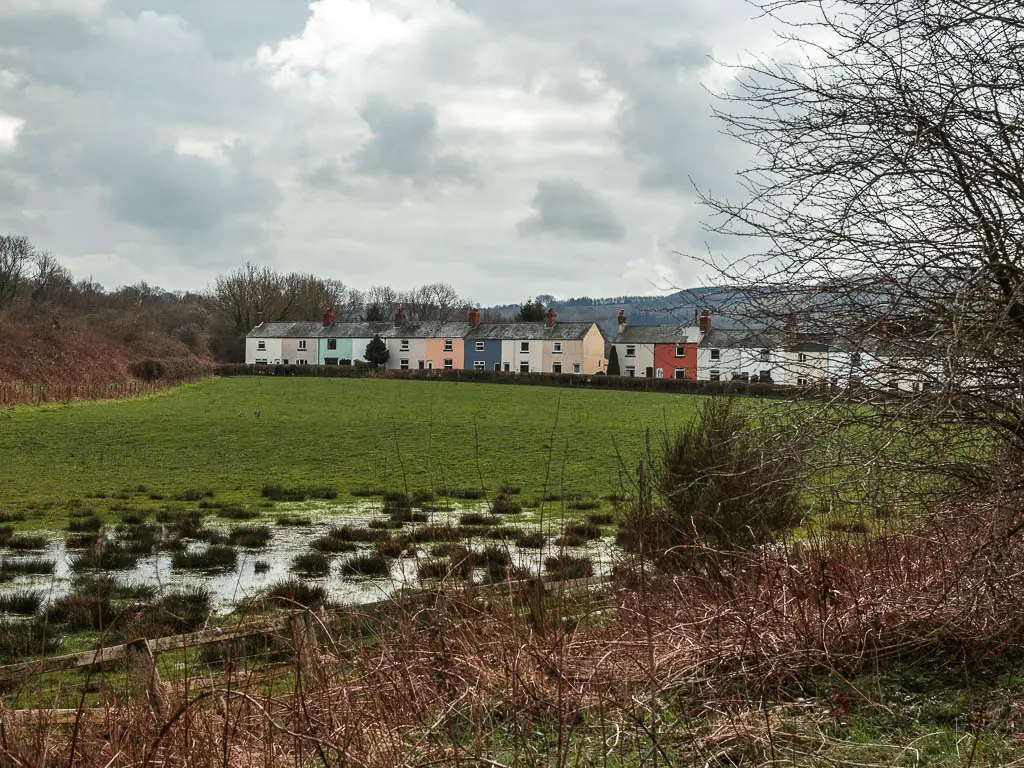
55 329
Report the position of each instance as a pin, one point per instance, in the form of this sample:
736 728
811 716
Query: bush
531 540
76 612
184 610
724 481
569 566
213 558
252 536
311 564
505 506
583 530
25 602
20 638
236 512
369 564
290 592
473 518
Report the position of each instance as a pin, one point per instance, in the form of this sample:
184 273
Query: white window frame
479 346
302 345
403 364
631 350
302 362
403 345
765 356
716 354
575 367
801 357
679 373
556 366
524 367
556 348
715 375
261 346
524 347
630 371
680 350
332 344
449 364
802 381
479 365
261 361
659 373
497 366
449 345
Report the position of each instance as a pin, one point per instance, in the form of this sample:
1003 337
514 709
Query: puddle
232 586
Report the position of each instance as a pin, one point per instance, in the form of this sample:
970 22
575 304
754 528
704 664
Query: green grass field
232 436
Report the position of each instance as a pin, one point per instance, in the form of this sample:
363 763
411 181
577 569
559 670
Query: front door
421 365
650 373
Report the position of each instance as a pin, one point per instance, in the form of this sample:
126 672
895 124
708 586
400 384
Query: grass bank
234 436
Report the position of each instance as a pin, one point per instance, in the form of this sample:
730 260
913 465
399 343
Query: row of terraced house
698 352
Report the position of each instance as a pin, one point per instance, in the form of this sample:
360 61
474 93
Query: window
660 373
421 365
404 364
449 364
680 373
261 345
801 381
715 375
915 387
479 346
680 350
508 367
261 361
766 355
284 362
556 367
630 350
802 357
497 367
855 360
448 345
575 367
524 367
524 347
556 348
330 361
630 371
405 346
478 365
332 343
302 345
302 362
716 354
894 384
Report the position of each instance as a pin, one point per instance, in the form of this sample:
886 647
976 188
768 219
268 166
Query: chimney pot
622 317
704 323
550 318
400 317
328 317
474 317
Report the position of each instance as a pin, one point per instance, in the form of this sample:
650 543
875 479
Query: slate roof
531 331
742 338
657 334
302 330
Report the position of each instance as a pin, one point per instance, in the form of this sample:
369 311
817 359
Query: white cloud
10 127
10 9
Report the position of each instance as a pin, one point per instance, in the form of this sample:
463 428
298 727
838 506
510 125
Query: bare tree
885 210
249 293
16 256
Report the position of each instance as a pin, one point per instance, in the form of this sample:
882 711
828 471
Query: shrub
569 566
76 612
290 592
369 564
249 536
494 555
26 566
531 540
184 610
192 494
25 602
25 541
717 484
294 521
583 530
20 638
473 518
311 564
505 506
213 558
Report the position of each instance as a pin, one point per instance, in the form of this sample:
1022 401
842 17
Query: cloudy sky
509 147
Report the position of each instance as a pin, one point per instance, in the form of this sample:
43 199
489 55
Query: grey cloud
686 54
405 144
565 208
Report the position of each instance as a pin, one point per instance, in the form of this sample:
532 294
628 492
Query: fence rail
142 652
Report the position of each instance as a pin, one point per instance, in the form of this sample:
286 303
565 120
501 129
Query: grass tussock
216 557
569 566
505 506
31 638
367 564
295 593
312 564
282 493
466 494
26 566
251 536
25 602
293 521
27 542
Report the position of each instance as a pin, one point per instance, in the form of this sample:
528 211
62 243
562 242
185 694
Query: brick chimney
622 318
260 319
474 317
791 325
400 317
704 323
328 317
550 318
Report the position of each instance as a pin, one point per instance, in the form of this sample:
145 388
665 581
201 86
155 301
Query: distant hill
681 307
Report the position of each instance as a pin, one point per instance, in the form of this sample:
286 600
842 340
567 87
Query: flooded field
258 567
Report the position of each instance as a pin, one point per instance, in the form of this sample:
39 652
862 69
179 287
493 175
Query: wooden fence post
535 600
304 633
146 677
